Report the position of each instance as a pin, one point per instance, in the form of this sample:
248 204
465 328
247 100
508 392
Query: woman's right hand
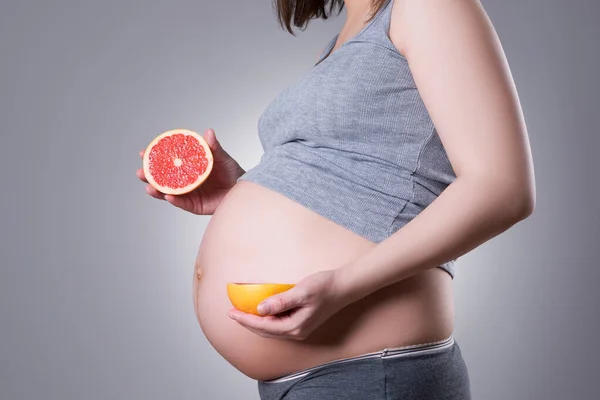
206 198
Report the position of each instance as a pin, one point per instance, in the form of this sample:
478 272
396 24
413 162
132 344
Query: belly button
198 273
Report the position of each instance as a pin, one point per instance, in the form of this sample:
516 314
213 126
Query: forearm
467 213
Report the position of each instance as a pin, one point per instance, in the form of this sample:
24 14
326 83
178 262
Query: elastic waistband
385 353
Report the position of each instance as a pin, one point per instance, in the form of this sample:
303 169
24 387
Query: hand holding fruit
220 177
296 312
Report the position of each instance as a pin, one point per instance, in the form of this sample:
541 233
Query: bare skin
256 234
394 296
463 77
260 235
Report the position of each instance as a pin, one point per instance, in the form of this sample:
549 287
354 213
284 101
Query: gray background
95 278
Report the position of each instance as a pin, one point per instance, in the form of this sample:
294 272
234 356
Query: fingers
149 189
271 326
154 193
174 200
140 174
183 202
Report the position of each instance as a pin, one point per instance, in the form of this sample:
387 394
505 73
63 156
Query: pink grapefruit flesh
177 161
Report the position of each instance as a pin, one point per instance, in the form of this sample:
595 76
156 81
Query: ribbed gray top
352 140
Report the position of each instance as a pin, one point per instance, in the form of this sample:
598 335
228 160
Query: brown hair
299 12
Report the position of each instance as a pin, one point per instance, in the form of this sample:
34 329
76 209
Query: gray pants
433 371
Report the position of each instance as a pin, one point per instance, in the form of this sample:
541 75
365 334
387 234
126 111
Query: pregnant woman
401 149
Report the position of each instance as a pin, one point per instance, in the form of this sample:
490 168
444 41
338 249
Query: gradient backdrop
95 275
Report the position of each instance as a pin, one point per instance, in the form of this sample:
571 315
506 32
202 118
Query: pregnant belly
257 234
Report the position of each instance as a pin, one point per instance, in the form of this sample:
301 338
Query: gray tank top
352 140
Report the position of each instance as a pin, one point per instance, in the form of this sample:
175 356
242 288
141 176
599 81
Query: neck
357 11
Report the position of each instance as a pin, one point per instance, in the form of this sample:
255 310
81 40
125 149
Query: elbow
523 203
526 208
513 201
527 195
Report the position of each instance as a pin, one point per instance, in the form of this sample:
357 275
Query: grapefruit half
247 296
177 161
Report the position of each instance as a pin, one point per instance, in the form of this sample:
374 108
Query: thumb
279 303
213 143
183 202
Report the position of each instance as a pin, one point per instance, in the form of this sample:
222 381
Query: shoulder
416 23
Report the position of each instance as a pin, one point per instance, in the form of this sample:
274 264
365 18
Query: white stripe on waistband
385 353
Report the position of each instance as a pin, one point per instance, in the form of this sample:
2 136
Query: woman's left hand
297 312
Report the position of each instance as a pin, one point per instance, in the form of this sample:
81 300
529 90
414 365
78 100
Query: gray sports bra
352 140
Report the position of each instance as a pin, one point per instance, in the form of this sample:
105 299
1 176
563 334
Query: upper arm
464 80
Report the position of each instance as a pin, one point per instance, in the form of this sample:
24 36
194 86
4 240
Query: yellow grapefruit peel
247 296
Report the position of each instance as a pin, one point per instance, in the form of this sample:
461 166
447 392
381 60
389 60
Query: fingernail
263 308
